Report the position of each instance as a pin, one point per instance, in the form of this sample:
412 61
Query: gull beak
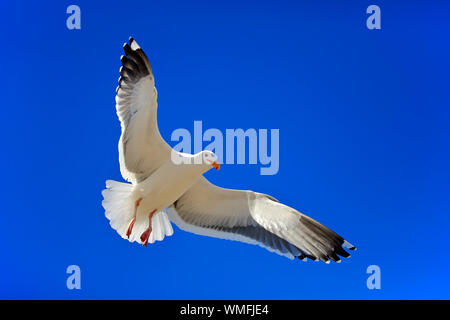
216 165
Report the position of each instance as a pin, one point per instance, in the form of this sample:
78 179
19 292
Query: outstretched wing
141 147
255 218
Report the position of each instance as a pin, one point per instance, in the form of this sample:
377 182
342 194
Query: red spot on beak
216 165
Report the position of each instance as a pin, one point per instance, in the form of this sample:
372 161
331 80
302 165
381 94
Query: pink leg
131 224
130 227
146 234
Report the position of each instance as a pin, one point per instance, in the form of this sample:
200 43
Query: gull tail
119 209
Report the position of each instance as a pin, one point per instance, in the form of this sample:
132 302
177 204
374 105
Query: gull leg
146 234
131 224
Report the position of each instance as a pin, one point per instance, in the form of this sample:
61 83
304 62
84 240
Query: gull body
169 182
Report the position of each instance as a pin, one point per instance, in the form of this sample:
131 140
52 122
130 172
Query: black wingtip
333 256
127 49
130 39
135 63
340 251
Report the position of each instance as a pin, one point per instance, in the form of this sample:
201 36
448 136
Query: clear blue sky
364 143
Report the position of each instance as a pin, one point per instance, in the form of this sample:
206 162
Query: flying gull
168 186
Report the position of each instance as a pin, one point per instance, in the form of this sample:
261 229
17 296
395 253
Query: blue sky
364 143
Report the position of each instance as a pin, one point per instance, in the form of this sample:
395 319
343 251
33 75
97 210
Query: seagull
168 186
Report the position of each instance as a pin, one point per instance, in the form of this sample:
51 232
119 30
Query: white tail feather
119 209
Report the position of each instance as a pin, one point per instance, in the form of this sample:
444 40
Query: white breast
165 186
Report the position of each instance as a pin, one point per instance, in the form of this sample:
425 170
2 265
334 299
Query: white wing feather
255 218
141 147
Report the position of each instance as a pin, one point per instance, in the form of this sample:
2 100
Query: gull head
209 158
